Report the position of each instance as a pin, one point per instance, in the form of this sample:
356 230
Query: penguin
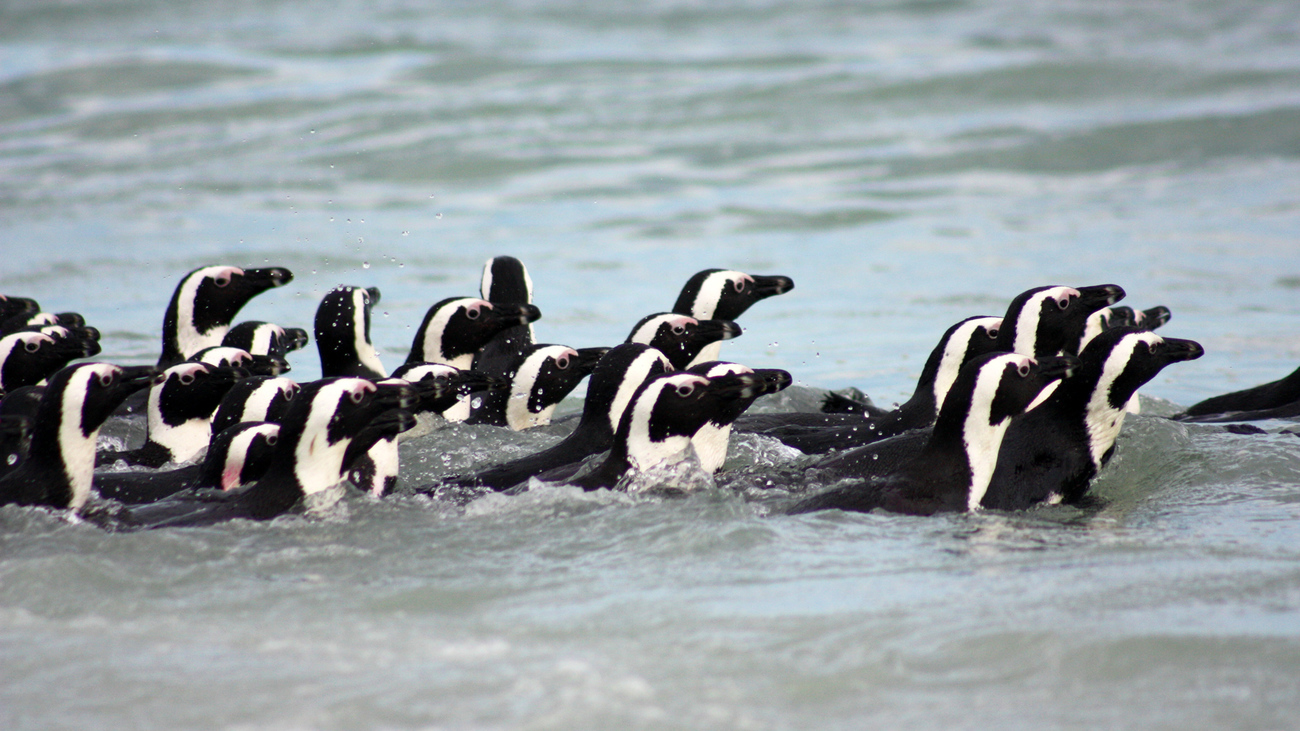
1152 318
817 433
680 337
722 294
237 456
505 281
1272 400
615 379
28 358
1049 320
61 461
257 398
543 376
664 414
36 320
180 406
224 356
455 329
343 333
376 471
1050 454
712 439
15 441
333 421
265 338
11 306
460 385
952 471
205 303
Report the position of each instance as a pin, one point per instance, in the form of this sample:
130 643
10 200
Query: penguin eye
472 313
1023 370
271 439
739 285
562 362
993 333
1151 348
356 396
222 280
106 379
186 379
1063 303
679 329
686 389
31 346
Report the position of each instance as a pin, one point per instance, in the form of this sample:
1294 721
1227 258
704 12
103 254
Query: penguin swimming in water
455 329
332 422
257 398
28 358
265 338
543 376
237 456
723 294
343 334
712 439
61 462
952 471
205 303
680 337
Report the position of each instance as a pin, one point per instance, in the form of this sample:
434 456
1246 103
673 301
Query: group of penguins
1008 412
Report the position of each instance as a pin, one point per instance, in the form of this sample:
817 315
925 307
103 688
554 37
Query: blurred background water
907 163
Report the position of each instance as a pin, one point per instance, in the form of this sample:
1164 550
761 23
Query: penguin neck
707 353
710 444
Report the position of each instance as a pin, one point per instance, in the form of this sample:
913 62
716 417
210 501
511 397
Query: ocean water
907 163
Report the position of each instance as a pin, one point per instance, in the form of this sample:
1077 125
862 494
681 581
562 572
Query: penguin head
189 391
206 301
83 395
1046 320
265 338
342 329
726 294
546 375
680 337
506 281
239 454
458 327
326 419
258 398
1122 359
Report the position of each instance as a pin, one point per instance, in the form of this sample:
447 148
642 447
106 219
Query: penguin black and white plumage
11 306
452 405
539 381
681 338
332 421
236 456
505 282
61 461
36 320
953 469
818 433
1051 454
180 406
1272 400
224 356
376 471
616 378
28 358
1049 320
342 329
258 398
712 439
265 338
664 414
722 294
205 303
455 329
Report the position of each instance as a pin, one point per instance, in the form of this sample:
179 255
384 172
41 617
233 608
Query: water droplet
313 131
437 215
366 265
401 265
875 456
406 233
331 219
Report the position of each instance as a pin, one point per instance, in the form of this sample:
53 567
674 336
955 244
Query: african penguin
680 337
505 282
711 440
205 303
258 398
28 358
1275 399
953 469
61 461
721 294
539 381
265 338
455 329
343 333
452 403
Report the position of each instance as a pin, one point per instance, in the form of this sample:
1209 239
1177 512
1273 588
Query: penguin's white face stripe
29 341
635 375
318 462
1102 420
643 452
259 401
384 455
711 440
954 352
264 336
433 352
238 454
982 438
646 333
362 345
189 338
1027 322
179 373
189 438
77 449
712 289
518 416
485 286
1096 324
226 356
428 370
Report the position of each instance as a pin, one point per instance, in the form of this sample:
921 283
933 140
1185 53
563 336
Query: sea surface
907 163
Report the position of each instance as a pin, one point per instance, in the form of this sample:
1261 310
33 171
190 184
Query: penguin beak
467 382
589 357
765 287
374 295
1057 367
737 386
295 338
135 378
774 379
268 365
515 314
1154 317
395 394
1177 349
267 278
711 331
1102 295
71 319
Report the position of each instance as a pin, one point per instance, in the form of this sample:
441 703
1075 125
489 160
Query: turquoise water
906 163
